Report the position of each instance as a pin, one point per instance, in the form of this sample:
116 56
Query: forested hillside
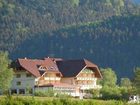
104 31
112 43
21 19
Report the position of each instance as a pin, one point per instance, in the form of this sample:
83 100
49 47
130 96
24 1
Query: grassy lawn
34 100
29 97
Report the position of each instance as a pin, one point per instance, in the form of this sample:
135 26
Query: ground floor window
14 91
21 91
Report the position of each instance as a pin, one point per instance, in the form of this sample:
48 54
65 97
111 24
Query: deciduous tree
125 82
109 77
6 73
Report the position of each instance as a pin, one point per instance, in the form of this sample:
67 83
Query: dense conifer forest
106 32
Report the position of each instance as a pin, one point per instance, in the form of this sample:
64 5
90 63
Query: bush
60 95
48 93
111 93
125 93
94 92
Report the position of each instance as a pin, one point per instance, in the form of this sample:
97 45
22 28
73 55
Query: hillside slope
112 43
103 31
22 19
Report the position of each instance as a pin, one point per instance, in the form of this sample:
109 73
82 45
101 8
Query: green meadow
31 100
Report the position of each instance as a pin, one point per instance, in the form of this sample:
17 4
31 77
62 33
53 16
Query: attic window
41 68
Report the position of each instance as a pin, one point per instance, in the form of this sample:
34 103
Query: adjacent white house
63 76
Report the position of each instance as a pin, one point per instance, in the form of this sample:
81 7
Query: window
18 83
21 91
14 91
18 75
28 75
41 68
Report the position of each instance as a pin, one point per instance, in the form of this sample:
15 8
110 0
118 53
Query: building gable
67 68
71 68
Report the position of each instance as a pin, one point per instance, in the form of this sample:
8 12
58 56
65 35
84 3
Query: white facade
22 81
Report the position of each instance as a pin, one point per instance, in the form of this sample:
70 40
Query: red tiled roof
68 68
29 65
32 65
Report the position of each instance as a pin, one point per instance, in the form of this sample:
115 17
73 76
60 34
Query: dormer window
41 68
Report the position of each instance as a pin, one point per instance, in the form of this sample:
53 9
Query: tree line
112 43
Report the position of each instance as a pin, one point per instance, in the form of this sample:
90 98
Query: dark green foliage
72 29
112 43
22 19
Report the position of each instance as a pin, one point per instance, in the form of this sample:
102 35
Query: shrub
125 93
47 93
111 93
94 92
60 95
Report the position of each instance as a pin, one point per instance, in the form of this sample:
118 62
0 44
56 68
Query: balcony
86 78
52 78
83 87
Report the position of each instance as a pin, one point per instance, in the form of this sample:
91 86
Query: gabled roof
68 68
94 68
32 66
71 68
